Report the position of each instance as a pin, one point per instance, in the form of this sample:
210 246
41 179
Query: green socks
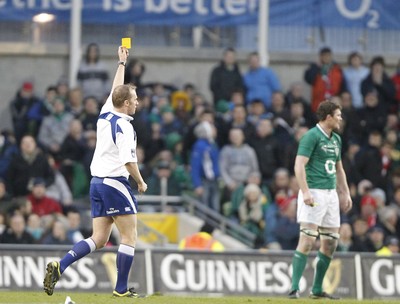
323 262
299 262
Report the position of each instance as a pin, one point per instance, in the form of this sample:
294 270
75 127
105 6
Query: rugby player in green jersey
323 191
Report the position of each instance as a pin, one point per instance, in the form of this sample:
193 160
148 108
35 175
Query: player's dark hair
326 108
122 93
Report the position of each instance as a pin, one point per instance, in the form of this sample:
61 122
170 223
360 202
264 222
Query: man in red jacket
325 77
41 204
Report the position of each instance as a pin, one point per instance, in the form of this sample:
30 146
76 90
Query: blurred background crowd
235 152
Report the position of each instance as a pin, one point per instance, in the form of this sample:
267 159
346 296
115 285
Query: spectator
296 117
34 227
6 202
226 78
93 75
350 120
239 120
280 184
190 90
91 140
62 88
256 111
237 161
396 82
24 120
41 204
350 166
345 240
159 97
8 149
278 107
71 153
360 228
26 165
260 82
57 235
54 128
267 149
74 231
156 142
2 224
231 210
389 219
21 205
369 210
372 117
296 94
380 197
287 228
202 240
90 114
173 142
144 168
134 72
354 74
223 119
379 81
16 232
182 105
251 212
163 180
375 239
48 100
75 102
290 151
369 161
325 77
204 166
59 189
169 122
391 247
237 99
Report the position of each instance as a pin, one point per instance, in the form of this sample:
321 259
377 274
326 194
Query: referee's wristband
122 63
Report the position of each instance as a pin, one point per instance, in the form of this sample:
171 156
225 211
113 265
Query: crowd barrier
350 275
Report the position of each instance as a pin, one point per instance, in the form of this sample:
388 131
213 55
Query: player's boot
51 277
294 294
323 295
130 293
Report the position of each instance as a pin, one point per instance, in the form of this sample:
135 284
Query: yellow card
126 42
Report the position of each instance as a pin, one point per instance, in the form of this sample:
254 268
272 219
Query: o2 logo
360 12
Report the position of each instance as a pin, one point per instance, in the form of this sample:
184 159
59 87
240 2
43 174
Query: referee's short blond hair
122 93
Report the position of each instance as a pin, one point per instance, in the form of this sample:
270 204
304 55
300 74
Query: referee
112 199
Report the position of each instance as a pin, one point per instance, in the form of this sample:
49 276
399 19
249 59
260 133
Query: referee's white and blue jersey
110 191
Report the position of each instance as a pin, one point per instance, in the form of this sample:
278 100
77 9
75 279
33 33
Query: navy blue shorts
111 196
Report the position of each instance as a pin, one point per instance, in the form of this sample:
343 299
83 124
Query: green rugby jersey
323 153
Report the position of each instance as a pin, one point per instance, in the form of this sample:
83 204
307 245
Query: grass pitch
101 298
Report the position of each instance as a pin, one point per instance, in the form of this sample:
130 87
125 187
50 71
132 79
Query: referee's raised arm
123 54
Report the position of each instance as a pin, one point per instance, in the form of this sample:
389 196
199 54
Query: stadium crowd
235 153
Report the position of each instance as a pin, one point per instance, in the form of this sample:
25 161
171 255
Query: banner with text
191 272
24 270
245 274
373 14
381 277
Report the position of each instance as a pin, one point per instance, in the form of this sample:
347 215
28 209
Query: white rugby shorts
325 213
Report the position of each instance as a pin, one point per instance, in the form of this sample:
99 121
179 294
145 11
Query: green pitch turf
93 298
